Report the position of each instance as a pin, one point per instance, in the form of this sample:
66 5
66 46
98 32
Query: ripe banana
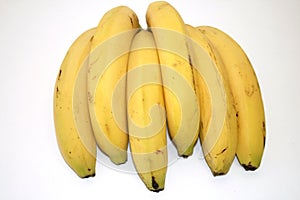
71 117
218 127
146 114
107 81
180 99
248 100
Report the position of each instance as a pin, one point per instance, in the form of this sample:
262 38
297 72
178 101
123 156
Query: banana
247 95
107 81
218 127
146 114
71 117
177 75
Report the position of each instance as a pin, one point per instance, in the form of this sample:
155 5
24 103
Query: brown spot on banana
91 39
90 98
155 185
59 74
57 92
131 21
250 90
107 128
158 151
222 151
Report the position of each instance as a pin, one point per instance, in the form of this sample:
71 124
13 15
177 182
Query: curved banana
247 96
146 114
218 127
71 117
182 109
106 87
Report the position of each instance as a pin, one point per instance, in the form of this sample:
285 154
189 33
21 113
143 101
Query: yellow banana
247 96
180 100
71 117
218 127
146 114
107 81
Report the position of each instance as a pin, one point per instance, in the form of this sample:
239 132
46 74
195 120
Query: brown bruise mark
158 151
59 74
91 39
222 151
155 185
264 141
190 60
202 31
107 129
264 126
250 90
131 20
57 92
237 114
70 155
240 73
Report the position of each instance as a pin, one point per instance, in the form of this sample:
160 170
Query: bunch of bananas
120 84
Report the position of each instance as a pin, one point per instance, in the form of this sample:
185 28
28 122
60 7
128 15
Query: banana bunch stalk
123 87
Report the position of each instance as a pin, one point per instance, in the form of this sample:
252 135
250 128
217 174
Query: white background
34 38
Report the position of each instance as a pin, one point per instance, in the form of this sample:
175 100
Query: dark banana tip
218 173
157 190
249 167
184 156
89 175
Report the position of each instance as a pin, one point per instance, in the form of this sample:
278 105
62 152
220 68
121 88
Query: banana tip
249 167
185 156
89 175
218 173
157 190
